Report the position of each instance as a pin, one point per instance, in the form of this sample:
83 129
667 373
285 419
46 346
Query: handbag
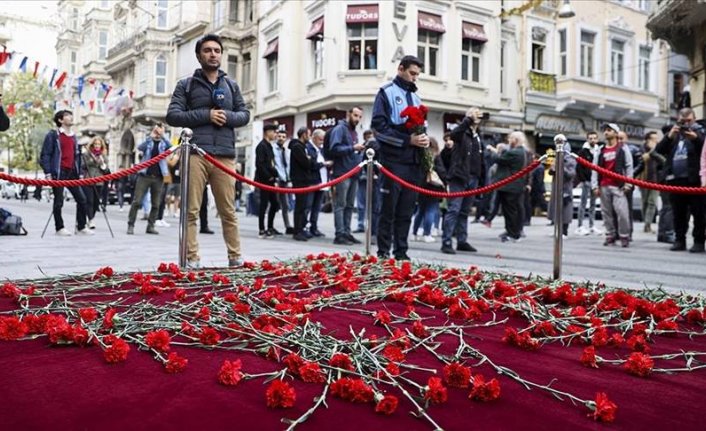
434 180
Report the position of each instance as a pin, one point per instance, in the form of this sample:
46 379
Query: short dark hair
447 135
591 132
302 130
409 60
367 133
60 116
355 107
268 127
648 135
208 38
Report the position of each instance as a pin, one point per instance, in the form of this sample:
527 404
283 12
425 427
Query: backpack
11 224
327 144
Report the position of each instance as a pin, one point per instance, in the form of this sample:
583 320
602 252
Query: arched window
160 74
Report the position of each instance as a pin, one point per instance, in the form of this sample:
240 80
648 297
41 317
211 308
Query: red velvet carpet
45 385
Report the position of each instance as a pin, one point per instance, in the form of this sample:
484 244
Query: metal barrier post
557 194
369 153
185 139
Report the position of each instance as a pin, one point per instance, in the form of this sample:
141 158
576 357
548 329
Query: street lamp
566 11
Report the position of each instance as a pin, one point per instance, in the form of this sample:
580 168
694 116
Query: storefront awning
430 22
317 29
362 13
474 32
272 48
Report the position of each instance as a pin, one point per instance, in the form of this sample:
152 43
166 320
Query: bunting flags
36 68
51 81
60 81
23 65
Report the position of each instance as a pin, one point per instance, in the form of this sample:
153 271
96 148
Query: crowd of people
211 105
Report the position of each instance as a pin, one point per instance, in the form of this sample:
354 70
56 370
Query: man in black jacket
211 105
266 173
464 173
300 172
682 147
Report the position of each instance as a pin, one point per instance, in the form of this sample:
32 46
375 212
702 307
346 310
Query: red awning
427 21
474 32
272 48
362 13
317 29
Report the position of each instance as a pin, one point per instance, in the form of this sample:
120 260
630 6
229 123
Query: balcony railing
125 44
542 82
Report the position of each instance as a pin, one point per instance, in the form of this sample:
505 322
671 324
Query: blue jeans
427 215
360 202
343 205
587 196
456 219
313 207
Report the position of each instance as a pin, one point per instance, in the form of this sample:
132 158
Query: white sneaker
416 238
85 231
582 231
429 238
63 232
162 223
121 209
435 232
596 231
91 225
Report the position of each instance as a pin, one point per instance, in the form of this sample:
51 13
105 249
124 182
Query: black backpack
327 144
11 224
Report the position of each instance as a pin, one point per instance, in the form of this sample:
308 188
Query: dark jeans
313 208
203 211
456 218
283 199
96 195
397 209
427 213
682 206
360 201
665 227
162 202
144 183
300 206
511 203
267 199
343 205
79 197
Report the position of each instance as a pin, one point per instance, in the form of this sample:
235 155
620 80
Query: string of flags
88 91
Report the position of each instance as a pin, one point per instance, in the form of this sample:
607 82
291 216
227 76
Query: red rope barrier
473 192
88 181
269 188
641 183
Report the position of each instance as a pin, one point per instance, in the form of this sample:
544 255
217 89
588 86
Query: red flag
11 109
60 81
91 104
36 67
107 92
4 56
91 81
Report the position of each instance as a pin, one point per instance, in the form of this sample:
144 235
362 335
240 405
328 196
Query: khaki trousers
202 172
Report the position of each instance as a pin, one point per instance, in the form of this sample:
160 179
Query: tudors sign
358 14
324 119
553 123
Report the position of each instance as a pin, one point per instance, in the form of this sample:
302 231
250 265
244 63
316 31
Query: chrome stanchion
557 193
184 139
369 153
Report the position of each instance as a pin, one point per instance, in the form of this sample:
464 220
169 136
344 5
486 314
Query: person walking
508 163
400 152
211 105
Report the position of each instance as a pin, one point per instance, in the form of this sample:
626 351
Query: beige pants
223 188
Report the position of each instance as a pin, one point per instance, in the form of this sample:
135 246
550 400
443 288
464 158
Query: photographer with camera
682 147
95 158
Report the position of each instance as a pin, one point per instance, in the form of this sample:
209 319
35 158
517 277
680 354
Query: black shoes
678 246
317 233
402 256
300 237
464 246
274 231
697 248
206 230
265 234
151 230
359 230
447 249
289 231
352 239
342 240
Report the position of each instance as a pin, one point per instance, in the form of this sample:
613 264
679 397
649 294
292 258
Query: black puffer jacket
191 106
466 156
667 147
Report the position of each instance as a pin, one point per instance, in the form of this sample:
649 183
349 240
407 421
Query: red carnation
638 343
393 353
639 364
695 316
79 335
353 390
604 408
419 330
293 363
667 325
386 405
393 368
484 391
180 294
117 350
10 290
204 313
310 372
209 336
382 317
457 375
108 318
230 374
522 340
341 360
435 391
241 308
88 314
11 328
158 340
588 357
280 395
175 363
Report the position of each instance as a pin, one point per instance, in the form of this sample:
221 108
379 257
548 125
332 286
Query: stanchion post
185 149
370 154
557 194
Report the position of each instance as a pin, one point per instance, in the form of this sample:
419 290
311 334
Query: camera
683 127
485 116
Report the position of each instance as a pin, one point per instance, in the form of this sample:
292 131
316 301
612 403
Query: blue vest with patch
397 98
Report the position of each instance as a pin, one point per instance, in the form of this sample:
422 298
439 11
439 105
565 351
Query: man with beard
401 153
344 151
211 105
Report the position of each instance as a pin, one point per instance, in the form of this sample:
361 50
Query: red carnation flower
88 314
638 343
386 405
175 363
117 350
158 340
204 313
484 391
180 294
393 368
522 340
341 360
209 336
695 316
108 318
604 408
419 330
280 395
457 375
241 308
353 390
588 357
79 335
667 325
310 372
230 374
393 353
435 391
382 318
293 363
10 290
11 328
639 364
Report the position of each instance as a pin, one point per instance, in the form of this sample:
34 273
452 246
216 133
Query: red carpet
67 387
